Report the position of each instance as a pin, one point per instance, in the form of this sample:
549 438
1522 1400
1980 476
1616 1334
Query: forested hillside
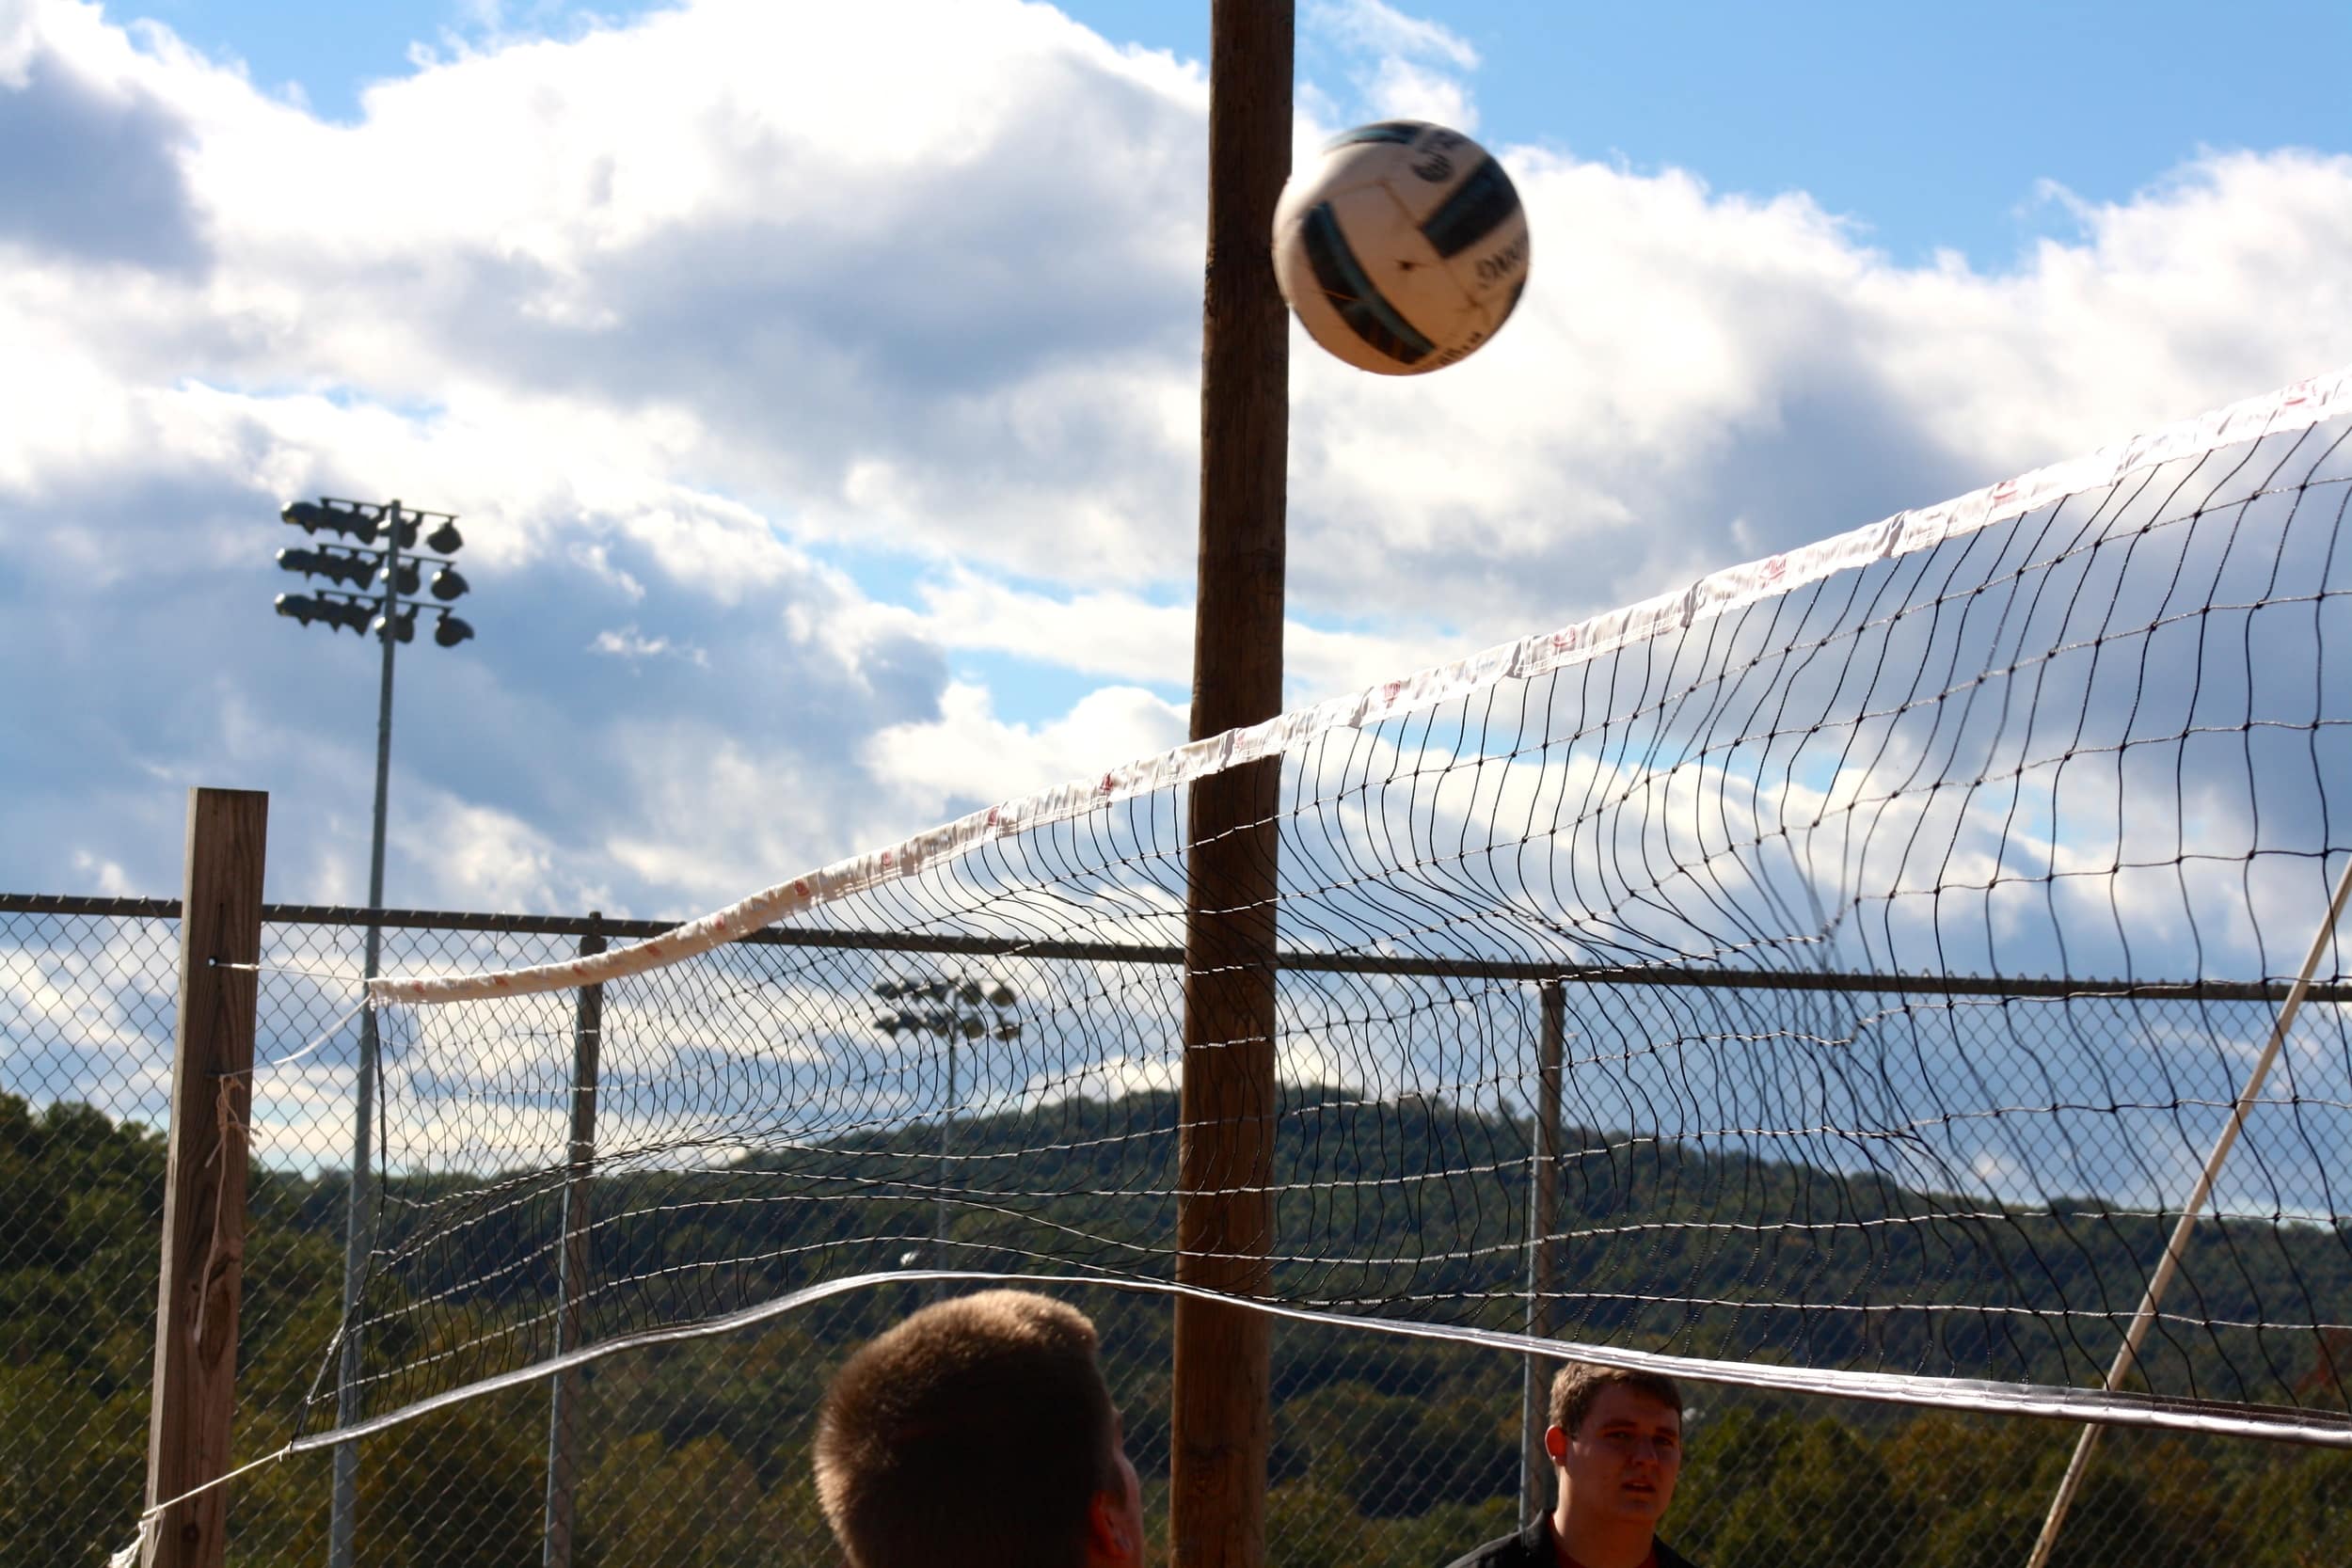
1415 1207
1387 1452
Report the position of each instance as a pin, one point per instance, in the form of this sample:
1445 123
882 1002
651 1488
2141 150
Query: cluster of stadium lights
380 568
390 569
954 1008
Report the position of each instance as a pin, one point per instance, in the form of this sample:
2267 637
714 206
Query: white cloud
629 643
103 877
968 757
1128 638
1683 363
491 860
682 314
1399 66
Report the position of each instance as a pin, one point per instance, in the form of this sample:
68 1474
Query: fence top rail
1406 965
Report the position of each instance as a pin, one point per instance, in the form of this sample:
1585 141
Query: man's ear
1106 1533
1556 1443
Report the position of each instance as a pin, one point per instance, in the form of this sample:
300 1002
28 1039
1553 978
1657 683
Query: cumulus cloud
968 757
1695 379
1396 65
93 136
1130 638
772 360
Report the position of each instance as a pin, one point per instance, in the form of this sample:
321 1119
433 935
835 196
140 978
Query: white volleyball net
1908 914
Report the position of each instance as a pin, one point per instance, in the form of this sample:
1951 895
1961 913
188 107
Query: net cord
2291 408
2127 1355
2005 1398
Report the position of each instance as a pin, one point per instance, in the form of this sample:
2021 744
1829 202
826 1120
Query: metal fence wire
1385 1451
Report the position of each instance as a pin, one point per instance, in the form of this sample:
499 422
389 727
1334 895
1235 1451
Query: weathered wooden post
203 1241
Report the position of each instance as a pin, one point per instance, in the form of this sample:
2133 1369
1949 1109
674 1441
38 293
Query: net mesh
1912 911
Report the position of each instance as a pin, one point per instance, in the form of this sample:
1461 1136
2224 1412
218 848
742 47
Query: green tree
2296 1513
1978 1490
1774 1490
464 1488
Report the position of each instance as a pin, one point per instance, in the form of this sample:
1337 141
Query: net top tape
2290 408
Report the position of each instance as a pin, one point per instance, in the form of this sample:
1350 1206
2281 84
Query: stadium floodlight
334 566
297 606
311 516
383 534
338 614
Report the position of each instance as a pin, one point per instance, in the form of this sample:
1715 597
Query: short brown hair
978 1431
1577 1384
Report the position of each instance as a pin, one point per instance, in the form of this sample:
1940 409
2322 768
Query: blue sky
797 525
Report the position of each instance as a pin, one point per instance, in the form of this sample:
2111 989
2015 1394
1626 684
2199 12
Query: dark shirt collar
1542 1550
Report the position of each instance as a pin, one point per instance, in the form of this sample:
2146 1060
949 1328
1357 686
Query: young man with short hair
1615 1441
979 1433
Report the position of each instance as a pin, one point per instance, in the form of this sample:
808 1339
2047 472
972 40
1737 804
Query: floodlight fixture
445 540
447 584
962 1007
334 566
451 631
337 614
311 516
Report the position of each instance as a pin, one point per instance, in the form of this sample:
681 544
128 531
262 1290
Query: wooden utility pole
1220 1415
203 1245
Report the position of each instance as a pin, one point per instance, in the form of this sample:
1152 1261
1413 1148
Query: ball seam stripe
1351 291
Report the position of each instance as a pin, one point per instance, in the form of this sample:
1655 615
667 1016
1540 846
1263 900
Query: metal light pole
571 1269
386 615
1543 1197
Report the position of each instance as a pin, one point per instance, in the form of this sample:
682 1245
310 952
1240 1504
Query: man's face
1621 1462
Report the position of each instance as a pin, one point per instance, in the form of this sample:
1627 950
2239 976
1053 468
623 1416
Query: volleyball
1402 248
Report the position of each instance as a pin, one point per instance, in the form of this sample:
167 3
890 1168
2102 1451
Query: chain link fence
1385 1451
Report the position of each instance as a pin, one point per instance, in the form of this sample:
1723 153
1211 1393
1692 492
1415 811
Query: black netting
1912 933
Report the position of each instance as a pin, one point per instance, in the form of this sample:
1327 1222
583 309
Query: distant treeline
1414 1206
1387 1452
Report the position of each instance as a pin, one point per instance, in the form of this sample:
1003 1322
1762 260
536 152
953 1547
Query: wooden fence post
203 1241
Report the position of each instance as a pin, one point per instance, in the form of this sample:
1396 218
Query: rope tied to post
229 1145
